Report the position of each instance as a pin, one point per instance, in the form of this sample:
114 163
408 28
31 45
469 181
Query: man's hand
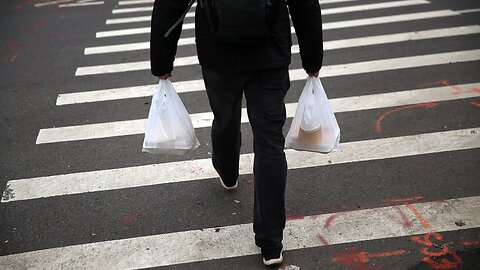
165 76
313 74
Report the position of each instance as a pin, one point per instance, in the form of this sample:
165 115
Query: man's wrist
313 74
165 76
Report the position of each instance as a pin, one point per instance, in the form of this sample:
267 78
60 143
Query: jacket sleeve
307 20
163 49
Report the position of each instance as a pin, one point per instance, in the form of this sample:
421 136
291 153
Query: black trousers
264 92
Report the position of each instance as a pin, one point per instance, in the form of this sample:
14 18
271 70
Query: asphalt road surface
402 193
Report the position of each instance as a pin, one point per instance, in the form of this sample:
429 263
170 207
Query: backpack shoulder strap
179 19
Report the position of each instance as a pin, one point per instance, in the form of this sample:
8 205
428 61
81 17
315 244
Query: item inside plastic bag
169 128
314 126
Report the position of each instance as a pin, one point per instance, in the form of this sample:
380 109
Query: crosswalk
187 246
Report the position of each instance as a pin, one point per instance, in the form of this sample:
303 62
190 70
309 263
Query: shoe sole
228 188
272 262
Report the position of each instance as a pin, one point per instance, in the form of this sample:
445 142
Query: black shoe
229 186
272 256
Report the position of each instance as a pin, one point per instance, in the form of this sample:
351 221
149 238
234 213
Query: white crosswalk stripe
48 3
179 245
57 185
328 45
328 71
82 4
130 10
134 2
131 19
202 120
474 10
234 241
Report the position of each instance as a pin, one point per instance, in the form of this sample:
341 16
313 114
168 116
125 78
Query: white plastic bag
169 128
314 127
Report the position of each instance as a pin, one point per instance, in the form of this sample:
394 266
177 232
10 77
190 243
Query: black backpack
236 21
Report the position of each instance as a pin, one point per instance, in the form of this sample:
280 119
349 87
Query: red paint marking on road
475 103
416 198
444 83
444 263
365 256
378 124
133 216
349 258
330 219
325 243
359 260
473 90
441 82
322 239
294 218
448 259
425 239
454 87
418 215
13 58
441 253
429 84
471 243
404 220
293 215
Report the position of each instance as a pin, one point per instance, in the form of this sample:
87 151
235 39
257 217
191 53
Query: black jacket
306 17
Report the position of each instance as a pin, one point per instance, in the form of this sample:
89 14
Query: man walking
244 48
